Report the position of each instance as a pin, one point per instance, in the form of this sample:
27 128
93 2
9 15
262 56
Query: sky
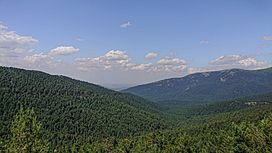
118 42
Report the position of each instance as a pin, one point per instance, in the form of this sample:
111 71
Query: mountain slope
74 110
208 86
263 100
246 129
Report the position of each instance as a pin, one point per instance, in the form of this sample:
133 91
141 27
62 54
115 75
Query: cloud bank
63 50
114 66
231 61
119 60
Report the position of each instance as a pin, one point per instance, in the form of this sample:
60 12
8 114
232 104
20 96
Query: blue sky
192 35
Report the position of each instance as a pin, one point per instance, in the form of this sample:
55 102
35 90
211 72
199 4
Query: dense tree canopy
72 110
46 113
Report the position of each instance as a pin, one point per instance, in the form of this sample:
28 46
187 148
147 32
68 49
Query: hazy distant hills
206 87
72 109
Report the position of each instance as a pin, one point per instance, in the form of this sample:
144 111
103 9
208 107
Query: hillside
206 87
256 101
78 116
246 129
72 110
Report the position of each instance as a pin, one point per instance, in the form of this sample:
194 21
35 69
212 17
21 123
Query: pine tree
26 134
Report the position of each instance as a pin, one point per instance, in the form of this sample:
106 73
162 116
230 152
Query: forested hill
263 100
74 110
78 116
207 86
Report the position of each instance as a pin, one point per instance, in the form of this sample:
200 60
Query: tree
26 134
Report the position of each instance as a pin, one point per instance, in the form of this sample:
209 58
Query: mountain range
206 87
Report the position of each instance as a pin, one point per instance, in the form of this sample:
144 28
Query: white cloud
226 60
16 50
151 55
113 58
267 38
170 61
230 62
192 70
89 64
116 55
11 40
237 61
125 25
36 58
204 42
63 50
49 57
119 60
251 62
11 43
13 47
170 64
139 67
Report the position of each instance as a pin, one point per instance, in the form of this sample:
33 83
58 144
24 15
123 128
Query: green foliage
264 100
73 111
26 134
242 137
82 117
237 138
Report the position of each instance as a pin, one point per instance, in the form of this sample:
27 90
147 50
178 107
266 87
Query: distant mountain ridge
207 86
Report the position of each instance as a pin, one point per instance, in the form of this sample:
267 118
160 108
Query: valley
77 116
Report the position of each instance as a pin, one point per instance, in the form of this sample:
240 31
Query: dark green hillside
230 127
245 130
73 110
76 116
263 100
207 87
